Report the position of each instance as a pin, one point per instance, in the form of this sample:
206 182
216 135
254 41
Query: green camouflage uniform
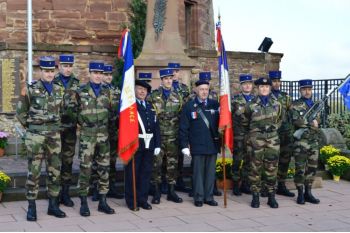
93 116
286 137
69 130
168 113
263 122
240 139
39 112
306 149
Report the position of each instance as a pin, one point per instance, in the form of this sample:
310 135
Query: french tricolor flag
225 121
128 123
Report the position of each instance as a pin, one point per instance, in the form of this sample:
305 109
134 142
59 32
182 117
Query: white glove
186 151
156 151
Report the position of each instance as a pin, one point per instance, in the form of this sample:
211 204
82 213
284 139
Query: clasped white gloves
186 151
156 151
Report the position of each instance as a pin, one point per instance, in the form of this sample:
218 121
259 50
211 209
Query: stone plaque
9 85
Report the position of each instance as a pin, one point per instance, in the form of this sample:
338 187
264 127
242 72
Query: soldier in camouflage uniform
39 111
264 119
183 90
69 83
93 108
167 104
113 138
306 148
240 171
285 134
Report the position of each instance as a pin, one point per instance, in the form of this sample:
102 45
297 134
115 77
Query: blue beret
263 81
67 58
205 76
47 62
96 66
201 82
107 69
165 72
245 78
145 76
275 74
305 83
174 66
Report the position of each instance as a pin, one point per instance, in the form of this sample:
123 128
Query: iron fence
335 103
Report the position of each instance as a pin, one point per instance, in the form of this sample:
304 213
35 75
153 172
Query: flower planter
220 184
336 178
2 152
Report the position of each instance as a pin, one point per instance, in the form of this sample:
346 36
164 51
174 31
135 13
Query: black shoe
309 197
211 203
84 208
216 191
113 192
245 188
31 213
156 195
255 201
272 200
198 203
172 196
65 198
164 187
95 192
236 190
145 206
103 206
53 209
300 198
282 190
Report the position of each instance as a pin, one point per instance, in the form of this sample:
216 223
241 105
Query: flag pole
134 183
223 158
29 42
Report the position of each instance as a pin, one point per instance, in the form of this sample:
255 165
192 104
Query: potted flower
220 172
4 182
327 152
3 142
338 165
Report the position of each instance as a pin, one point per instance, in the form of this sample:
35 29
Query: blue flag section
345 91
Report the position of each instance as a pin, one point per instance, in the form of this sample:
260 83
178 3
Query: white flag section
225 85
128 93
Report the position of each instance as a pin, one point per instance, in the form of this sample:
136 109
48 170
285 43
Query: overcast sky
313 35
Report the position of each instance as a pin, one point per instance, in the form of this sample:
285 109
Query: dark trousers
203 177
143 171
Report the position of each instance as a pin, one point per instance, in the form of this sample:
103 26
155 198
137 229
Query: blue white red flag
345 91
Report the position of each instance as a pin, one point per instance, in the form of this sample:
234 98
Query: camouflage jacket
168 111
286 103
298 110
263 121
114 98
183 91
38 110
69 92
92 113
238 104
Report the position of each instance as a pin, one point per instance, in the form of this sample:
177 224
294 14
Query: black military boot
272 200
164 187
245 188
300 198
84 208
282 190
94 192
31 213
103 206
308 195
54 209
156 195
236 190
216 191
113 192
172 196
255 201
65 198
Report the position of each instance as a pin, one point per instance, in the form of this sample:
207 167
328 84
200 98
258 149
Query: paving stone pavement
332 214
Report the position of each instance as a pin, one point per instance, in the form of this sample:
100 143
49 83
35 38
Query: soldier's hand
186 151
315 123
156 151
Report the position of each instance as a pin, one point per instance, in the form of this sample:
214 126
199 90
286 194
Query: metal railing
335 104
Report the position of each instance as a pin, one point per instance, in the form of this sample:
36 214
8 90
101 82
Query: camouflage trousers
168 157
113 141
306 161
286 139
93 148
44 146
68 140
264 162
240 155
